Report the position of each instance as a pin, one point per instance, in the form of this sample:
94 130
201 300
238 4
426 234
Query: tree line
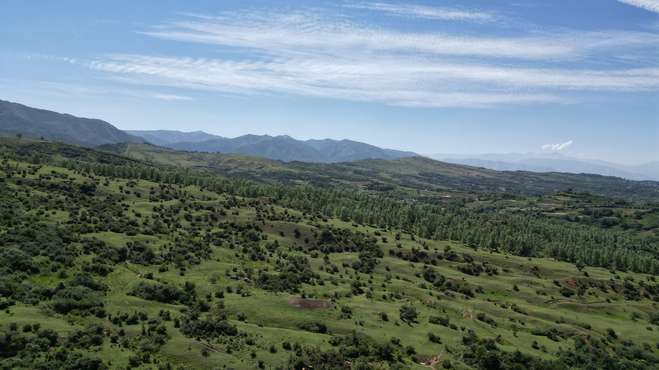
520 233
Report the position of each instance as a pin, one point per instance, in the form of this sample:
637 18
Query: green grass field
514 301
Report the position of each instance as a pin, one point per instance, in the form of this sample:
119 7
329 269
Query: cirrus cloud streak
309 54
424 12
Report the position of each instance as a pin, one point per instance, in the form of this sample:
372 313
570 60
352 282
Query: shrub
78 299
434 338
164 293
314 327
437 320
408 314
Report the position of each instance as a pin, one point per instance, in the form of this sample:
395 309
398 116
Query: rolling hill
110 262
326 163
421 176
18 119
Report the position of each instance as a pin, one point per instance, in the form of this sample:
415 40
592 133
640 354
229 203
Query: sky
580 78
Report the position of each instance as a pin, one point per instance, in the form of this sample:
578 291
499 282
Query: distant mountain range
283 148
18 119
553 162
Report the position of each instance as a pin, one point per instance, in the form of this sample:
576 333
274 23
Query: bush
208 329
314 327
408 314
346 312
164 293
567 292
486 319
92 335
437 320
77 299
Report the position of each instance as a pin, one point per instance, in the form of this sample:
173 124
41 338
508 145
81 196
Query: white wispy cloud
557 147
301 74
381 82
311 54
650 5
422 11
172 97
300 33
393 81
296 35
65 89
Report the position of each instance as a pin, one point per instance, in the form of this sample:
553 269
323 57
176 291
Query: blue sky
577 77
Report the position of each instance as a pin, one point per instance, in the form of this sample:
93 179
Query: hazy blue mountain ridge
288 149
19 119
554 162
165 137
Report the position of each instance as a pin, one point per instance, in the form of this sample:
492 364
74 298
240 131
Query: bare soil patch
571 283
429 361
309 303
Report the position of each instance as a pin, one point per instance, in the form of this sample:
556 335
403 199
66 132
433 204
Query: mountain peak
17 118
287 148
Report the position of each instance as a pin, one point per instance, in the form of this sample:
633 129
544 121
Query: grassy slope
270 319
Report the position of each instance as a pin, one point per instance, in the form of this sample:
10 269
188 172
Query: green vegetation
415 177
112 262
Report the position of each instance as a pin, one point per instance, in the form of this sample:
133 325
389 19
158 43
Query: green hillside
21 120
416 176
114 262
